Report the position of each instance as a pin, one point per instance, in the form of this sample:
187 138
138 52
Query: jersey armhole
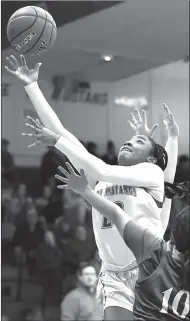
158 268
155 198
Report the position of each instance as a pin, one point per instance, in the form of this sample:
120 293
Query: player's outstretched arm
135 237
44 110
140 126
171 145
172 151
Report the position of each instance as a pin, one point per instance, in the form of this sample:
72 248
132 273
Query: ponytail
160 154
178 190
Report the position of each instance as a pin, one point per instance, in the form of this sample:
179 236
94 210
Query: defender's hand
140 126
41 134
21 70
78 183
170 123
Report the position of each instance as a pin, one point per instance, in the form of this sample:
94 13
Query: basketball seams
32 15
35 19
51 36
18 14
46 17
38 37
23 30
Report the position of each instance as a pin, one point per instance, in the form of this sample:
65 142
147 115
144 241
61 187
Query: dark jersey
157 297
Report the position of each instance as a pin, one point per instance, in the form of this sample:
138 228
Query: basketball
31 30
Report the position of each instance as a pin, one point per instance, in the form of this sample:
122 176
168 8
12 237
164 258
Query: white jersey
138 203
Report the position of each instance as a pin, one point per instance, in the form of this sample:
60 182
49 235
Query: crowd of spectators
51 234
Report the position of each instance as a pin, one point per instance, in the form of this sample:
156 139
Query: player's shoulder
150 167
154 171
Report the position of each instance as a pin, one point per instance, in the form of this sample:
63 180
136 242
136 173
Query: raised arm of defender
140 126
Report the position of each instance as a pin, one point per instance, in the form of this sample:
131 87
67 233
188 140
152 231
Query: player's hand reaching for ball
71 180
139 124
170 123
21 71
40 133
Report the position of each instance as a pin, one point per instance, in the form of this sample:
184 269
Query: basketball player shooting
137 185
162 288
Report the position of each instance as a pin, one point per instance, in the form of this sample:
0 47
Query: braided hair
160 154
179 190
180 237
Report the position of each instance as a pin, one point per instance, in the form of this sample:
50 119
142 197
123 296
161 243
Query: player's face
134 151
88 276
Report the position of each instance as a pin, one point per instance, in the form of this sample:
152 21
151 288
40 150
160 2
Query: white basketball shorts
117 288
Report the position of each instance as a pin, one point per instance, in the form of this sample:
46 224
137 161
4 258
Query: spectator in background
21 202
50 162
7 231
85 246
182 172
74 238
96 261
81 303
110 157
30 314
7 162
74 207
92 148
43 200
65 235
6 199
27 238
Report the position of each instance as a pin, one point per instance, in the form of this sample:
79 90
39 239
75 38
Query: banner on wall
135 102
76 91
69 90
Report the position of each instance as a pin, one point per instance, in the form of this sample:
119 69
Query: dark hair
160 154
179 190
180 237
83 266
171 190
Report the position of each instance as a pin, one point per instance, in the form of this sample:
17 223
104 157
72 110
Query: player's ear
151 159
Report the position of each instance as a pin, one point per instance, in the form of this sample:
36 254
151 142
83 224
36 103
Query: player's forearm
172 151
47 114
169 174
83 159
